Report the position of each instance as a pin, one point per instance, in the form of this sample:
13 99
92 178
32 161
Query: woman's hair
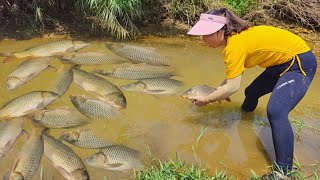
234 23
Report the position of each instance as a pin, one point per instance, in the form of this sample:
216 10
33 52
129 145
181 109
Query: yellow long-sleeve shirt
265 46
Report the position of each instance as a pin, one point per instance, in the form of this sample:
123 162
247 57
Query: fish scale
140 71
29 157
123 155
200 90
27 103
51 48
93 83
92 58
63 81
9 131
61 155
155 86
161 83
86 138
138 54
94 108
117 157
59 118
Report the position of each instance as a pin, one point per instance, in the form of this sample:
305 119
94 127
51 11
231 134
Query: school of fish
151 70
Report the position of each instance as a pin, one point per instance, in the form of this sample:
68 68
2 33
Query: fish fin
150 48
10 143
63 172
8 60
156 97
52 67
23 132
228 99
6 118
70 50
16 162
114 166
7 175
140 64
156 91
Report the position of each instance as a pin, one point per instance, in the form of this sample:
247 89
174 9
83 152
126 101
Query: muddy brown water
163 126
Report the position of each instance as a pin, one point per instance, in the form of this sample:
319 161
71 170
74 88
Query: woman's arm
230 87
226 90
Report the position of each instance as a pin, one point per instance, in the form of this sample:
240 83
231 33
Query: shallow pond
162 126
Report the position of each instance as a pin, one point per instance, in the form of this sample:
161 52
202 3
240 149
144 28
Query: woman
290 68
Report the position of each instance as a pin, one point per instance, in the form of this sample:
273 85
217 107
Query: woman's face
215 40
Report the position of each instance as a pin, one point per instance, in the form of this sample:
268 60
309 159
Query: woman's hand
199 101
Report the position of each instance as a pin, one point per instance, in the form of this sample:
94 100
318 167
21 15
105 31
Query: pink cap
208 24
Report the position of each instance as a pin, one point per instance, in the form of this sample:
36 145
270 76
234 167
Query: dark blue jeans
287 91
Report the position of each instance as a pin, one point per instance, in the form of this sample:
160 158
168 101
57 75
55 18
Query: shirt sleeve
234 59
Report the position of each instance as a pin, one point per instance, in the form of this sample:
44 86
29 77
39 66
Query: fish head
48 97
118 100
79 174
136 86
189 93
97 160
78 99
16 176
71 136
79 44
114 46
13 83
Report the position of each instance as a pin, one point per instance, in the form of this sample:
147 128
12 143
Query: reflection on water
161 125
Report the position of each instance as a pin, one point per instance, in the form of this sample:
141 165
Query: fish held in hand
200 90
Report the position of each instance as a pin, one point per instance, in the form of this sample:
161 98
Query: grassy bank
128 19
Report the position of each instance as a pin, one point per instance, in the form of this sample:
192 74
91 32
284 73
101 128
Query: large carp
49 49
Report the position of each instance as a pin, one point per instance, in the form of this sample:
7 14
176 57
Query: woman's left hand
199 101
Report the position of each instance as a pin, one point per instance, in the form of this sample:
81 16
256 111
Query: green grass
240 7
181 171
178 170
